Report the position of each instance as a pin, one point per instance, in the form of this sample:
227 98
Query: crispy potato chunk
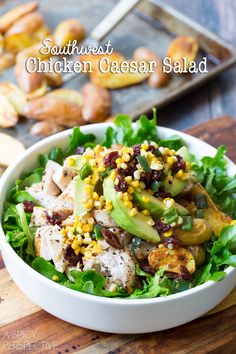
199 254
68 30
172 260
212 215
14 149
14 95
61 111
200 233
94 59
158 78
27 81
6 60
96 103
67 94
45 128
183 46
34 51
8 114
15 14
39 92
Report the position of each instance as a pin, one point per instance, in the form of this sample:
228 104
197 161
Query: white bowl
100 313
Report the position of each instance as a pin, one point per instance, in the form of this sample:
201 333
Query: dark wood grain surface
25 328
219 96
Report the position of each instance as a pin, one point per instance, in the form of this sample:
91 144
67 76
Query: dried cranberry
111 238
178 165
54 218
110 159
146 178
136 149
161 227
161 194
131 167
28 206
70 256
146 268
152 149
79 150
122 185
171 241
156 175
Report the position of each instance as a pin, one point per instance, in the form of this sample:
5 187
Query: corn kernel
101 168
119 160
71 161
145 199
95 196
168 233
150 222
75 244
144 146
130 190
113 175
128 179
91 221
126 157
55 278
137 174
170 160
128 204
89 205
233 222
145 212
179 174
133 212
135 184
123 165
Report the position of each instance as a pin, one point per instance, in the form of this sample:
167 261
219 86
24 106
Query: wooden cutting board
24 327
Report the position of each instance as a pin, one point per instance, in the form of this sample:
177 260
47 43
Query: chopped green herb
187 223
170 215
85 171
155 186
97 232
144 163
106 172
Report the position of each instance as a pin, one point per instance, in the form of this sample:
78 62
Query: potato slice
8 114
96 103
61 111
200 233
45 128
10 149
183 46
18 42
28 81
199 254
212 215
15 14
14 95
6 60
158 78
172 260
117 80
67 94
53 79
68 30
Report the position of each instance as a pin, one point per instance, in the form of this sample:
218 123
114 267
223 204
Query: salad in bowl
131 216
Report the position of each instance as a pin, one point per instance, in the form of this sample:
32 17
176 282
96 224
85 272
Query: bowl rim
71 292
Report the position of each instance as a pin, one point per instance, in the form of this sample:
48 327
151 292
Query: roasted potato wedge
1 44
15 14
61 111
39 92
14 95
18 42
6 60
68 30
30 23
183 46
96 103
158 78
199 254
33 51
212 215
95 59
27 81
172 260
45 128
53 79
116 80
67 94
10 149
200 233
8 114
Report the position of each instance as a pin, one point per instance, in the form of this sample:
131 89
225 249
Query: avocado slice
185 154
155 205
175 187
137 225
79 195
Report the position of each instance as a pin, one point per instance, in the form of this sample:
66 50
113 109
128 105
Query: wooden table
26 328
219 96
